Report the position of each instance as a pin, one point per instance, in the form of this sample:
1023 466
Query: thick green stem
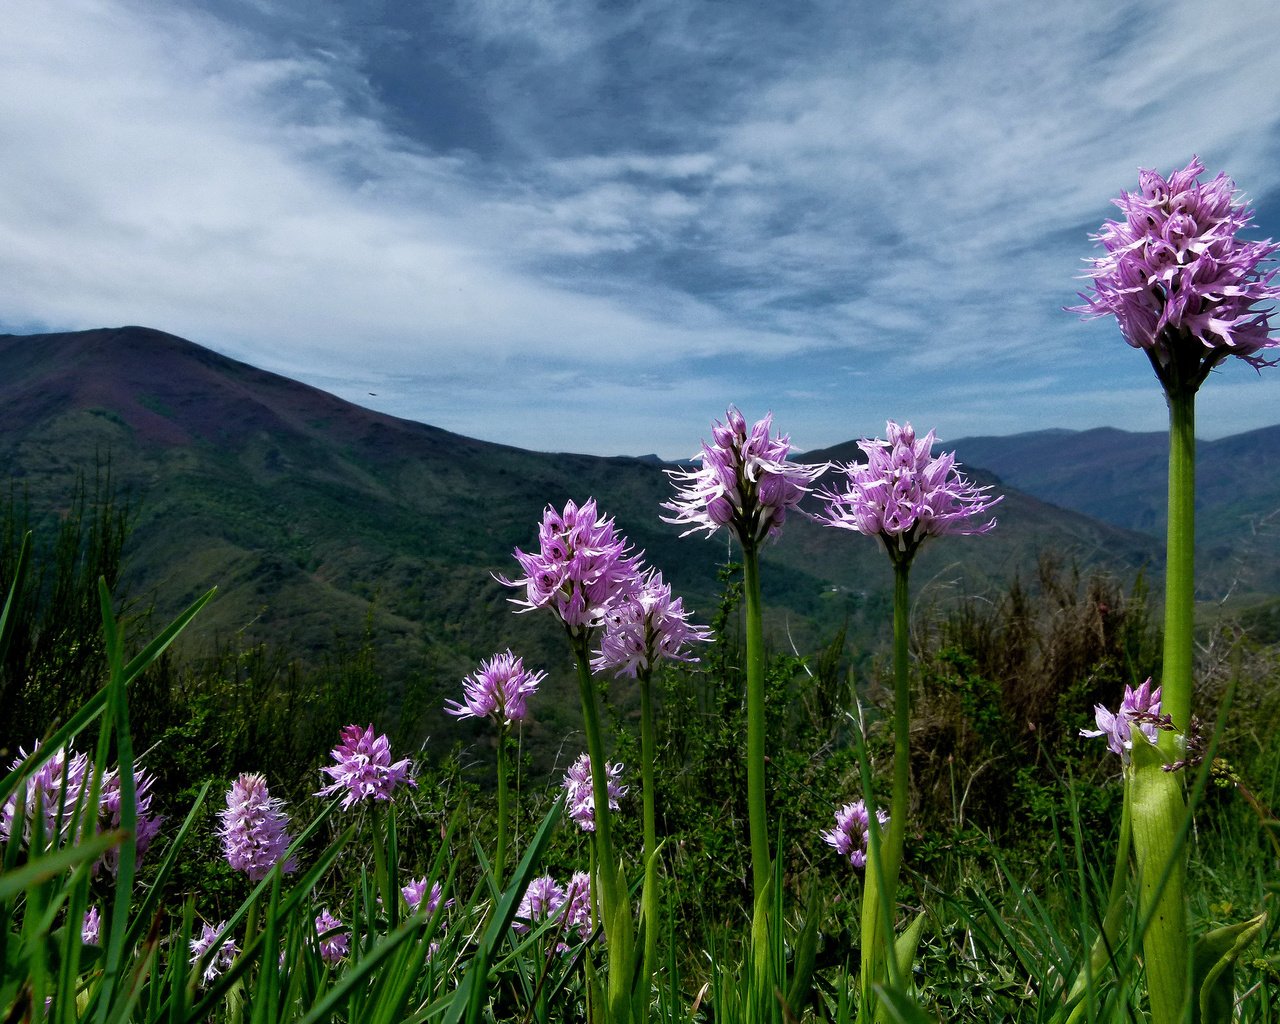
648 744
1158 804
599 779
500 859
898 805
878 910
1159 811
756 810
1180 580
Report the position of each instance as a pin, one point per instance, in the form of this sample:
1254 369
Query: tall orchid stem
599 777
1159 807
756 811
880 891
615 902
647 753
500 859
1180 569
901 722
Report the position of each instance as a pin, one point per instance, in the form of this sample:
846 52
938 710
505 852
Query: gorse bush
1005 686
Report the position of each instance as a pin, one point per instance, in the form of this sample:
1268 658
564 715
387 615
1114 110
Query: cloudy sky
590 226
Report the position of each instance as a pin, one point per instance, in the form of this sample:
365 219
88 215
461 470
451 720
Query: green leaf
10 602
904 946
899 1007
1213 963
806 950
41 869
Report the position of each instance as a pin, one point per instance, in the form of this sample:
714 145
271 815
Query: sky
592 226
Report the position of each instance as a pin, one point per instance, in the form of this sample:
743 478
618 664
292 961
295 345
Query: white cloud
755 194
194 184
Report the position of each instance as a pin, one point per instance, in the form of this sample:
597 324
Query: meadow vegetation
1009 810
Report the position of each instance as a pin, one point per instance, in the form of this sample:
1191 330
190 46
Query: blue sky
591 226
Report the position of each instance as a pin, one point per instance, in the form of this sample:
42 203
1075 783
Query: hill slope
313 515
1121 478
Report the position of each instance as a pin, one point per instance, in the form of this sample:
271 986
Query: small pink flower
499 690
91 927
581 796
333 947
362 768
414 892
220 960
849 837
745 482
254 828
903 495
1139 708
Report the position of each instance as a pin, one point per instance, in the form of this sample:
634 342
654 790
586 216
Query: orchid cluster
333 936
499 690
586 573
254 830
91 927
1139 709
219 961
61 785
850 836
545 899
903 495
582 567
1180 283
581 798
416 890
645 628
362 768
745 482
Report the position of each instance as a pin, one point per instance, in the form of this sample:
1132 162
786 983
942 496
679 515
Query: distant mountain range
316 517
1121 478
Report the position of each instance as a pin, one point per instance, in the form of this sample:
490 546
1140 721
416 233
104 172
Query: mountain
318 519
1122 478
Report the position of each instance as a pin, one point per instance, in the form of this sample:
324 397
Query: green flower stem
1159 811
1158 803
615 903
756 811
500 858
599 780
648 744
881 885
1179 581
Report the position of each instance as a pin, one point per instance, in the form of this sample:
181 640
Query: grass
1007 863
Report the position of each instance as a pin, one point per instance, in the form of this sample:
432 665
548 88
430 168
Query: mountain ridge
316 516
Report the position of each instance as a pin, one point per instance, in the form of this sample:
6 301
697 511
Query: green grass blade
40 870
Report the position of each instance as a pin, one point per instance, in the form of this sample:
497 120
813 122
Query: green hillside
316 518
1120 478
